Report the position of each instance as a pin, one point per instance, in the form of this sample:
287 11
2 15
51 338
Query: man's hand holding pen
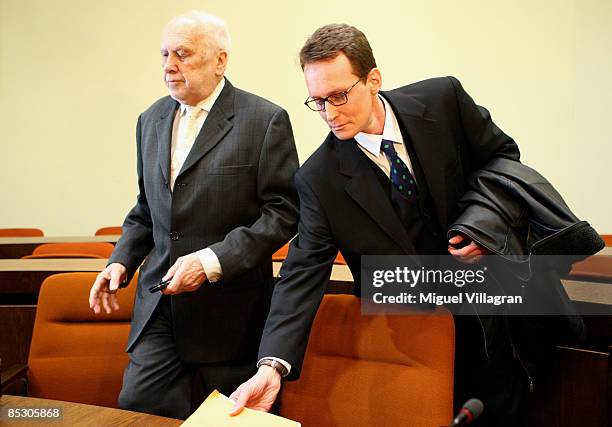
186 275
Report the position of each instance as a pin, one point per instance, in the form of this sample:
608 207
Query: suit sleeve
484 140
137 231
246 247
304 277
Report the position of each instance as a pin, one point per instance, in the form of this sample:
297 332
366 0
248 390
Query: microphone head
475 407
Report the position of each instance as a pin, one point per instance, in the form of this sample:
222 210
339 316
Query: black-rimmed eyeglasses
335 99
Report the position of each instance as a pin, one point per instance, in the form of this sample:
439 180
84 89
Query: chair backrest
282 253
21 232
73 250
105 231
75 355
607 238
339 259
373 370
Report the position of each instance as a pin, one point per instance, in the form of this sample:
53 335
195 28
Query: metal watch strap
277 366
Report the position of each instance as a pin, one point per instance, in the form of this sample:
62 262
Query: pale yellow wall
74 75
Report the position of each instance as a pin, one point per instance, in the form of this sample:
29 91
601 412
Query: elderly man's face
191 67
324 78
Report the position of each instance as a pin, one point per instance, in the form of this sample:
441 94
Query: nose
169 64
331 112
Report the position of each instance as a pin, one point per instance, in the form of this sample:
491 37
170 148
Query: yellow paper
214 412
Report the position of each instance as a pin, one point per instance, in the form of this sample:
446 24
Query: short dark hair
328 41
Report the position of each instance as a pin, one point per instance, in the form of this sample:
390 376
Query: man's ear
374 80
222 57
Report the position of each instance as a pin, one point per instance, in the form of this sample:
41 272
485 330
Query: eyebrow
330 93
180 47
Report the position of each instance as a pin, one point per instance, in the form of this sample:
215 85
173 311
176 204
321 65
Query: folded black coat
514 212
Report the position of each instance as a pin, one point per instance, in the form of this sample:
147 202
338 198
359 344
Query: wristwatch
276 365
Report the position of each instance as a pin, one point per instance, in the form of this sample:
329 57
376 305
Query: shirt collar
391 132
207 103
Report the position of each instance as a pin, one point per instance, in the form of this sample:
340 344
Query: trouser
157 382
494 374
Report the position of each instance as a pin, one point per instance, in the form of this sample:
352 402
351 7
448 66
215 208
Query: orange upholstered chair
21 232
373 370
73 250
281 254
105 231
607 238
75 355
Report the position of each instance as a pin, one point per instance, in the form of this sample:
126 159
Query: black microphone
470 411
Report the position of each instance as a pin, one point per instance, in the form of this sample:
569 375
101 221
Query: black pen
162 285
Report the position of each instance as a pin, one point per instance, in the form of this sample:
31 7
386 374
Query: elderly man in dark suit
386 181
216 199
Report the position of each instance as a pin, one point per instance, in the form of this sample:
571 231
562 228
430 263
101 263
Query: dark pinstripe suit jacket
234 194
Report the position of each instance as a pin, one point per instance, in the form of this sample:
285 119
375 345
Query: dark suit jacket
234 194
342 206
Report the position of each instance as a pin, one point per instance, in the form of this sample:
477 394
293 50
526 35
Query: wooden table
16 247
340 282
596 268
78 414
24 276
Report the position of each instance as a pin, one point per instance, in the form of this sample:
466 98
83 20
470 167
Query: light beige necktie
188 131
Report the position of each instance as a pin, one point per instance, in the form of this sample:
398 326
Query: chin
344 135
177 97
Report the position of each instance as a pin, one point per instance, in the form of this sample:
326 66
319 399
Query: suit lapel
217 124
164 137
423 135
372 200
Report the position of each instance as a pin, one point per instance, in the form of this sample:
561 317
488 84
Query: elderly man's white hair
214 28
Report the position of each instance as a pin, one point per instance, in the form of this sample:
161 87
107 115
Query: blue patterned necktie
401 177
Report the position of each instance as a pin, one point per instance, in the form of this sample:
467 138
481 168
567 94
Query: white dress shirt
370 143
181 146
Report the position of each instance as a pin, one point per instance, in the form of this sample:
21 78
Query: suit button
175 235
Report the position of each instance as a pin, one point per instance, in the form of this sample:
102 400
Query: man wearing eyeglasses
385 181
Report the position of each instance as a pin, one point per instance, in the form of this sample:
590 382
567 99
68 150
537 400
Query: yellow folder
214 412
